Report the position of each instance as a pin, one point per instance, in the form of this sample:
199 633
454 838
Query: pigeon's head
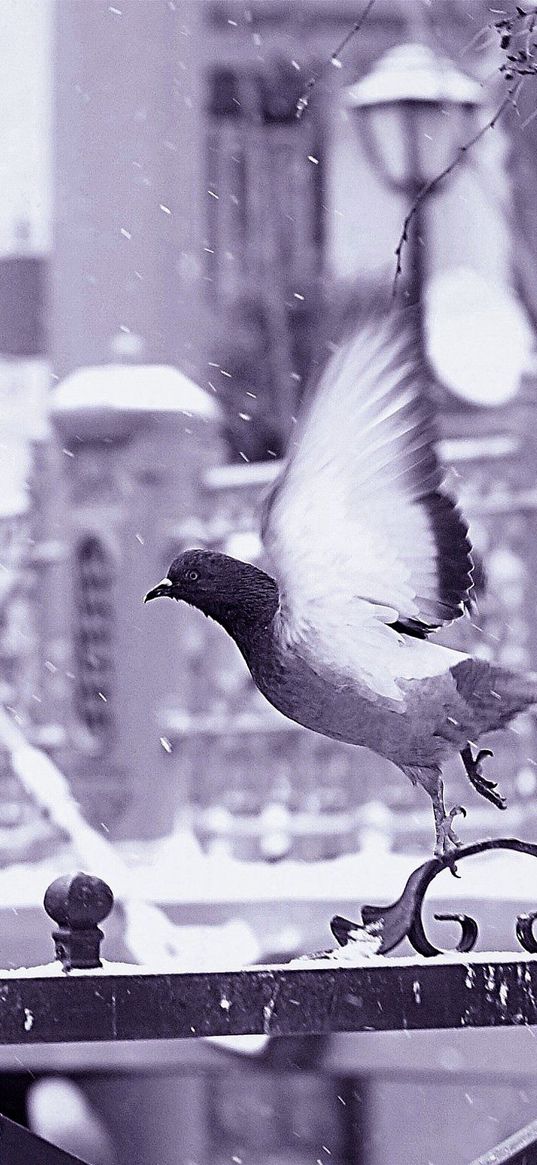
222 587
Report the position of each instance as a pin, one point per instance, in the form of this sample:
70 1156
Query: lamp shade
412 110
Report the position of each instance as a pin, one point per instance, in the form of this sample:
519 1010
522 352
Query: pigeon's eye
192 575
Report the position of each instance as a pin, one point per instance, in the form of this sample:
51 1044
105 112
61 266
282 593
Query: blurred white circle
526 781
478 336
244 544
275 844
59 1111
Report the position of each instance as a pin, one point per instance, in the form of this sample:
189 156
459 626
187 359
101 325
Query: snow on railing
126 1002
350 988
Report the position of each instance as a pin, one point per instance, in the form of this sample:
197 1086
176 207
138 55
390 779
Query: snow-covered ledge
126 1002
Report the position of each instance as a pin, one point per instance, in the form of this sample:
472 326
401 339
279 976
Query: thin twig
529 52
472 44
304 99
509 100
515 32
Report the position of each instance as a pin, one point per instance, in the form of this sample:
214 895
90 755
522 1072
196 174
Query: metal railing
19 1146
351 988
519 1149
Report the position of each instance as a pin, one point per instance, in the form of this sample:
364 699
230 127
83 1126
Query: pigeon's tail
494 694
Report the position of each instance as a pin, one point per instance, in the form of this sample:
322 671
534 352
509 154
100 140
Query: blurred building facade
201 233
200 225
196 210
198 218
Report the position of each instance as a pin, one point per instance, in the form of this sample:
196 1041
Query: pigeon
370 556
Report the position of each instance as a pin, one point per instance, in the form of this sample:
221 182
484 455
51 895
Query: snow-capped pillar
140 438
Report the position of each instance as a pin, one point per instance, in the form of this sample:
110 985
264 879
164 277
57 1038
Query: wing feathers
357 513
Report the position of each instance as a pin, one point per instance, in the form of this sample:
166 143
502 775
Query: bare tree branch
304 99
509 100
515 32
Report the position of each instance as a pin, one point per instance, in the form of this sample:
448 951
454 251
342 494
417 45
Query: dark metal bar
377 995
18 1146
519 1149
353 1094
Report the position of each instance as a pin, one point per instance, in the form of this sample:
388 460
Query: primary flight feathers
357 528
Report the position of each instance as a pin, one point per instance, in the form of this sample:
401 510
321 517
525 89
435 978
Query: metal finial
77 903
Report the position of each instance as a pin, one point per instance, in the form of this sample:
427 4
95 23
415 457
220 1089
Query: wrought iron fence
351 988
19 1146
520 1149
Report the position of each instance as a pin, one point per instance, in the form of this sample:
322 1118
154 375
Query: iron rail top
123 1002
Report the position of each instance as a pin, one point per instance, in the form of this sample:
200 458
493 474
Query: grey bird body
370 558
441 712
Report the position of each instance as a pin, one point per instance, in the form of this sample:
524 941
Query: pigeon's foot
480 783
447 842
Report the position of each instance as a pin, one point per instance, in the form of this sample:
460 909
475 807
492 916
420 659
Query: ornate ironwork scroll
403 918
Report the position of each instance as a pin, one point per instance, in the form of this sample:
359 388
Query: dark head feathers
236 594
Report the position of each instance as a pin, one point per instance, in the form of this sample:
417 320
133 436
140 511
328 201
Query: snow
317 962
324 961
132 388
480 958
176 871
56 971
149 933
230 476
413 72
355 954
371 875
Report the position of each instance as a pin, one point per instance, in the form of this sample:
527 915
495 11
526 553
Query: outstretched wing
359 534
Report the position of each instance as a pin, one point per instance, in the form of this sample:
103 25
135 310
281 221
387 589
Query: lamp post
413 110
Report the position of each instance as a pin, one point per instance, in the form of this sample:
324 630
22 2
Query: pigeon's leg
475 775
447 841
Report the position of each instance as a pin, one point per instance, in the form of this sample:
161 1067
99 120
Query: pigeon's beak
162 588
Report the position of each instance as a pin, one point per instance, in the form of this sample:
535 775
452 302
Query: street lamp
413 110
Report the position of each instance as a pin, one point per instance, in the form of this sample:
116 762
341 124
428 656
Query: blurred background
177 250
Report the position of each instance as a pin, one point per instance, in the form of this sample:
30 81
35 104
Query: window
94 637
263 246
264 181
22 283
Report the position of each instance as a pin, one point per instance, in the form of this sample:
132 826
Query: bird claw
447 842
481 784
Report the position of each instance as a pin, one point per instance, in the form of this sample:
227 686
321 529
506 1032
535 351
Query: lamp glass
438 132
411 142
383 131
